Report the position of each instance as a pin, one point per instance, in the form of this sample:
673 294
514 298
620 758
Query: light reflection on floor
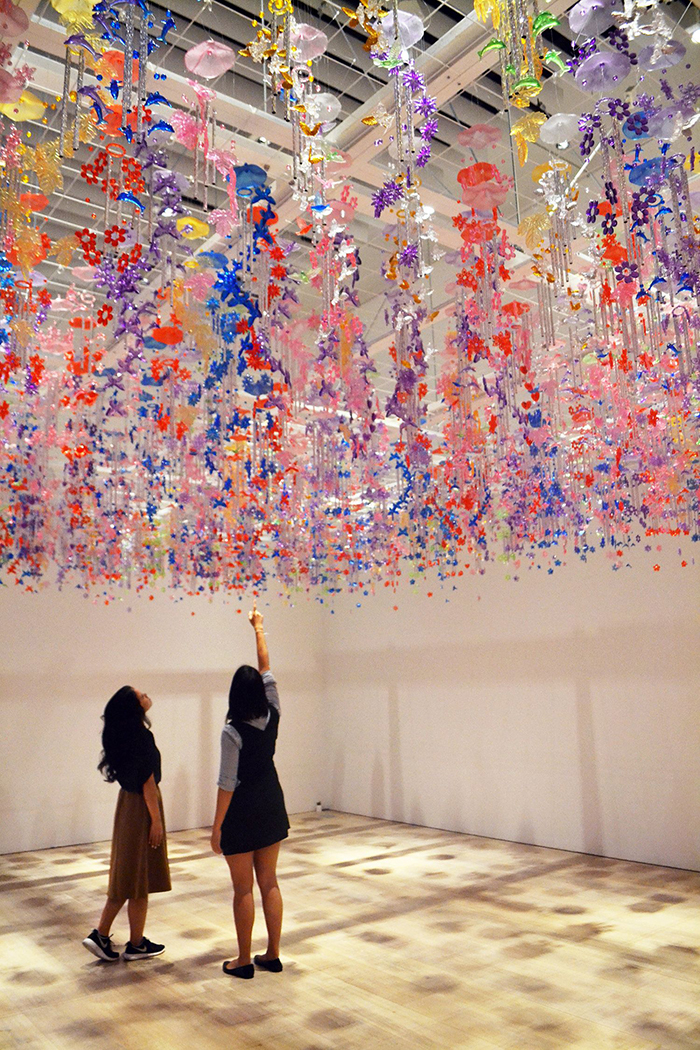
395 937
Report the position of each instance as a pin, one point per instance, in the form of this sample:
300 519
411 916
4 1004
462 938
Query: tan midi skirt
136 869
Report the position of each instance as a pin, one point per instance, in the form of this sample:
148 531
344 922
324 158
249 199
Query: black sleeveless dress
256 816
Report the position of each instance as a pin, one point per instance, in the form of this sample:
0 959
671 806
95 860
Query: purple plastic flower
627 272
425 106
408 256
429 129
592 211
621 42
586 144
423 156
389 194
414 80
636 125
611 192
609 224
639 209
618 108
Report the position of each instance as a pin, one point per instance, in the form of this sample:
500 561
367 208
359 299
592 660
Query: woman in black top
251 819
139 860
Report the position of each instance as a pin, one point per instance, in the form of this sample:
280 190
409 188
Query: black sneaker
146 950
101 947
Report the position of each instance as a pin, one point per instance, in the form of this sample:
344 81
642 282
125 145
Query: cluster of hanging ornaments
190 424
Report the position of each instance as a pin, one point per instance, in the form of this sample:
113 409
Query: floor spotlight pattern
395 937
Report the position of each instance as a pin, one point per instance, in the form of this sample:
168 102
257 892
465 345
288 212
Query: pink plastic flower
479 136
11 87
224 220
186 128
308 43
13 21
200 284
209 59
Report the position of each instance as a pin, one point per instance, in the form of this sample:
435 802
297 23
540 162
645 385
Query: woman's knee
267 881
242 883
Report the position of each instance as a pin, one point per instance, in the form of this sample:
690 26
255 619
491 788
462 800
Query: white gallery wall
562 710
63 657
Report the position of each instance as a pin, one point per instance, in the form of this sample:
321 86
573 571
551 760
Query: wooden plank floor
395 937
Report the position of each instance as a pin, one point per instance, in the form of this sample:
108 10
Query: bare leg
109 914
138 907
241 868
266 872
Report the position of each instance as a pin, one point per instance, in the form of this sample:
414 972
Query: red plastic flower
86 237
105 314
88 173
115 235
467 280
483 186
92 256
132 175
113 188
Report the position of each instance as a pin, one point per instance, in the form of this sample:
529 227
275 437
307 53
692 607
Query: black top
256 816
143 760
258 750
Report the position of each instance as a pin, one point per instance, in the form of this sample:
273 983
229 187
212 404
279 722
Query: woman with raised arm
139 861
251 820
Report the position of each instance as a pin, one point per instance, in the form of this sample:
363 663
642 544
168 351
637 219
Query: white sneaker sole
95 950
142 955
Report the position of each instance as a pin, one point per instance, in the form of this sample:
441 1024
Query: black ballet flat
273 965
244 972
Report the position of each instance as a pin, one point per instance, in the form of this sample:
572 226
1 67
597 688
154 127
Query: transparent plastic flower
602 70
591 17
411 29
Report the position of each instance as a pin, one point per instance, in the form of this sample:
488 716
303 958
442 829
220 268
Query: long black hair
246 697
124 722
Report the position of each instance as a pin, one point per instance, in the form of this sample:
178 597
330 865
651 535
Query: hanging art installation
195 406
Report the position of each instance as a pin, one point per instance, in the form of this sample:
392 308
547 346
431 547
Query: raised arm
256 619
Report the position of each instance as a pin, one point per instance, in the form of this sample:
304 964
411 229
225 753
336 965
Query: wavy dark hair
124 721
246 697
